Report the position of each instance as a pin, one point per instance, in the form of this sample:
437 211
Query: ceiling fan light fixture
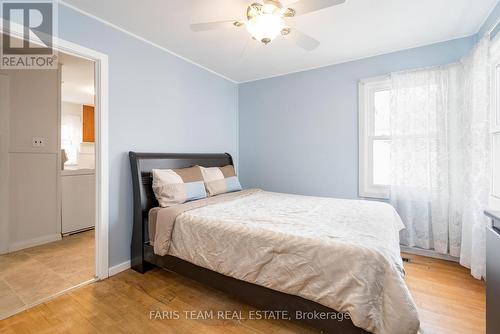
265 27
266 20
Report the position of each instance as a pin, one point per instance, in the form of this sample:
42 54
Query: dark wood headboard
144 199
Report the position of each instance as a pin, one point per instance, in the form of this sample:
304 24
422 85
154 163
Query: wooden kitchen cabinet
88 124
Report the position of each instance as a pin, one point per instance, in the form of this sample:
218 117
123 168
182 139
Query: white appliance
493 274
78 200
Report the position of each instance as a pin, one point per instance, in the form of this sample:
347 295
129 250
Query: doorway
74 240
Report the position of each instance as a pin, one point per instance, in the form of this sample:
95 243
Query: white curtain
420 157
477 157
440 157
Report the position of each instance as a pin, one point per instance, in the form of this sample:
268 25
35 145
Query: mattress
343 254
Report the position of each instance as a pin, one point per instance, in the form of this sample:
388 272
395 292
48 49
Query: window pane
71 136
497 107
381 162
496 164
382 121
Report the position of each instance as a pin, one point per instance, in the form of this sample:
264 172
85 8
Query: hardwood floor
33 274
448 298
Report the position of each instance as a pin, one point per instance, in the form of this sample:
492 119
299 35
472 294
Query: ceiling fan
267 20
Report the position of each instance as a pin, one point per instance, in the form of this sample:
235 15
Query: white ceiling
77 80
353 30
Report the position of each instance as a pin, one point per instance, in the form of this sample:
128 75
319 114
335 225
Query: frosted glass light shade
265 27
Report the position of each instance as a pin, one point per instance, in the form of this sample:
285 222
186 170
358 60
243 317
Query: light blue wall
157 103
299 132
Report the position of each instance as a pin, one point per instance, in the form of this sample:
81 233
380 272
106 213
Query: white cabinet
493 274
78 200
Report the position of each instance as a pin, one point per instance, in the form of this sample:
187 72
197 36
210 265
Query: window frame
70 163
366 114
494 201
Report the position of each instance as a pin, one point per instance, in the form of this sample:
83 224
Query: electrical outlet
38 142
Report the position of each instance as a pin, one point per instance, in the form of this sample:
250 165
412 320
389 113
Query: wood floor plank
448 298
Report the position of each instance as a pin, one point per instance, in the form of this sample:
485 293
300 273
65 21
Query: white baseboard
119 268
34 242
428 253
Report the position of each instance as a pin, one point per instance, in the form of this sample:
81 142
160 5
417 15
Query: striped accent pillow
177 186
220 180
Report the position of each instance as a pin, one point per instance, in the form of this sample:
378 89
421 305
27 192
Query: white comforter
343 254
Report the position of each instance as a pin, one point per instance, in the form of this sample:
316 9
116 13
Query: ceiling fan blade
206 26
247 51
308 6
273 2
244 51
304 41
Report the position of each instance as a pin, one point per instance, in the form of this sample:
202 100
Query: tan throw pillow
177 186
220 180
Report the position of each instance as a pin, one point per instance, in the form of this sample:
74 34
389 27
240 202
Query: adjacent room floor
448 298
33 274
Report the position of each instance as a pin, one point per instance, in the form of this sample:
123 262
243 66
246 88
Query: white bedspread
343 254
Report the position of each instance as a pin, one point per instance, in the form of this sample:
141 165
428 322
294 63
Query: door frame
101 142
101 145
4 164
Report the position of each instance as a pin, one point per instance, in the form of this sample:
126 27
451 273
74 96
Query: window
495 126
374 137
71 137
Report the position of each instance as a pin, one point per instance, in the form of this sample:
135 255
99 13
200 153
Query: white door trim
4 163
101 129
101 140
102 167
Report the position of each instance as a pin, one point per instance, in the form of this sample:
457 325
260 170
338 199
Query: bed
319 257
